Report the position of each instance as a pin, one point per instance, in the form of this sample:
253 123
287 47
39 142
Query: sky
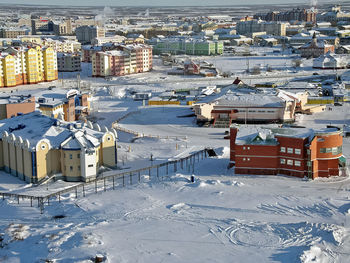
156 2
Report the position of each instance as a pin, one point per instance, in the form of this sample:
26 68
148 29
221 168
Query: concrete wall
42 165
1 155
108 150
15 108
71 168
27 165
5 148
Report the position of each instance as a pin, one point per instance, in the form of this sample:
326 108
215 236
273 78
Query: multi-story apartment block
61 28
75 151
297 152
250 26
27 65
296 14
85 34
123 60
13 32
69 62
188 46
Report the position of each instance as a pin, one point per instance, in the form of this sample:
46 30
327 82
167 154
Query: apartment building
27 65
13 32
68 62
85 34
296 152
296 14
74 151
187 46
248 27
123 60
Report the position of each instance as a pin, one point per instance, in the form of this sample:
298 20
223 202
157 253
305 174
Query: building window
71 168
297 151
78 167
283 149
290 150
244 159
297 163
308 163
248 159
290 162
282 161
243 147
248 148
78 155
90 165
71 156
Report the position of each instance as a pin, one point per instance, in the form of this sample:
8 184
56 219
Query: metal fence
111 182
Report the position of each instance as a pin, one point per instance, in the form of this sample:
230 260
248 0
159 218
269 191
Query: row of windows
333 150
71 156
290 150
290 162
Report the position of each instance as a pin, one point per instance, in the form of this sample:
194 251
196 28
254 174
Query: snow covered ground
219 218
222 217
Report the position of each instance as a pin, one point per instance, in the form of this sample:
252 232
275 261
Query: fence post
95 186
41 205
76 192
139 173
130 178
38 201
149 173
18 199
158 172
113 182
59 197
31 201
123 181
182 164
175 166
48 200
104 184
167 168
83 191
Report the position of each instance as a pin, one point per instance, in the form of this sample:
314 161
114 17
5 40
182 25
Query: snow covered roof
259 135
54 131
250 100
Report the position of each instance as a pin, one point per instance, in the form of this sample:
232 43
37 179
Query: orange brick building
289 151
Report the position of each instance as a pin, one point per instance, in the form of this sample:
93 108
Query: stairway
222 123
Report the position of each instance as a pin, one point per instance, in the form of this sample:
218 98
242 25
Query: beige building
73 151
69 62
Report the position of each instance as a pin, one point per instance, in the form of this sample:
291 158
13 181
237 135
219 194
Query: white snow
221 217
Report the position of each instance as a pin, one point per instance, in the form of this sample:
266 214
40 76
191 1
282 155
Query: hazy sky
157 2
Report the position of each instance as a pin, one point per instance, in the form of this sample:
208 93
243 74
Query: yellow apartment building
27 65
